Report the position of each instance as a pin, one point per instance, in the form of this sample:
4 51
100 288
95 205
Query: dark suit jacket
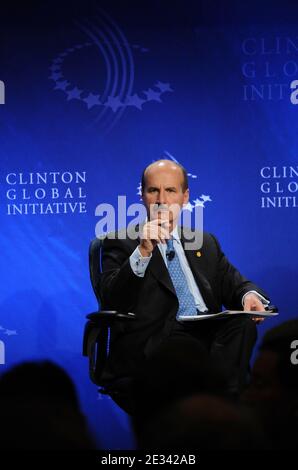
153 299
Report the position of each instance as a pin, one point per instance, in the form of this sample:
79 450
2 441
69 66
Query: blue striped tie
187 304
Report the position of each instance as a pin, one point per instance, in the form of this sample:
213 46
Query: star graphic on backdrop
198 202
54 68
188 207
135 100
61 85
206 198
58 61
191 175
55 76
73 94
139 189
163 86
141 48
114 103
152 95
92 100
10 332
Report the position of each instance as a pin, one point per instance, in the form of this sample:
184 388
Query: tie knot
170 244
170 253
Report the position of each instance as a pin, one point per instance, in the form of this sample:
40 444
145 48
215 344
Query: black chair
97 337
98 334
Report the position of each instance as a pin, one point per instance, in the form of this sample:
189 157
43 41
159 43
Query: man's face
163 186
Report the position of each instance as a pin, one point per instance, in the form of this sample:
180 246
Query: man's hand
155 231
253 303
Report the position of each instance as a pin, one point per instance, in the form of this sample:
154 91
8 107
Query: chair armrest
109 315
96 339
99 322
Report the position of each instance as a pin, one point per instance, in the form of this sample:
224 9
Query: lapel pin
198 254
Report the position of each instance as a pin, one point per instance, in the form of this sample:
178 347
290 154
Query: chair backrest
95 249
96 333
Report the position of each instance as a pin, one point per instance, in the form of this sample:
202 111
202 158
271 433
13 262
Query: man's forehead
163 173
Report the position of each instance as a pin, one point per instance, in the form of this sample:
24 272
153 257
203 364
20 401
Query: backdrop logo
47 193
106 64
2 92
279 187
269 67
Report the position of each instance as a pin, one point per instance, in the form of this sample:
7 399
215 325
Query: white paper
226 314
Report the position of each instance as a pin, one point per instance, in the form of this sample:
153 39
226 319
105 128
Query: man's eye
171 190
152 190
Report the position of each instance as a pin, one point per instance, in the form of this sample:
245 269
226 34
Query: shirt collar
175 234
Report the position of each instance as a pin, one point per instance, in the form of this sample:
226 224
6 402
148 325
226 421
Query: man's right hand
154 232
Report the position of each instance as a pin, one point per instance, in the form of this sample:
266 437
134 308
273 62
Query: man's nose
162 199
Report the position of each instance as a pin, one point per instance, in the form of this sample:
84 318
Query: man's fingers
156 233
253 305
164 232
158 221
258 319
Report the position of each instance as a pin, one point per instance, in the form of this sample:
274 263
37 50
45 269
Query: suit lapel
159 270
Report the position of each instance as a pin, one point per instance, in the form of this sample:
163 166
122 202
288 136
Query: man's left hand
253 303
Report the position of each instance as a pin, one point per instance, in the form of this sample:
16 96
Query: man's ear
186 196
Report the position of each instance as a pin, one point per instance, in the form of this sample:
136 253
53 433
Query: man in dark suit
140 276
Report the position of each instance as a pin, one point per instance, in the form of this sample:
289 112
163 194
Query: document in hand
226 314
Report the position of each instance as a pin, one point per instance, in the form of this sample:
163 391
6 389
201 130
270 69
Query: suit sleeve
231 283
119 286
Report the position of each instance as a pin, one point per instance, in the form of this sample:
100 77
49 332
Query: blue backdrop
90 93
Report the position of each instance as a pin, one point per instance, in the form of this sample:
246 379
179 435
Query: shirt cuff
262 299
139 263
